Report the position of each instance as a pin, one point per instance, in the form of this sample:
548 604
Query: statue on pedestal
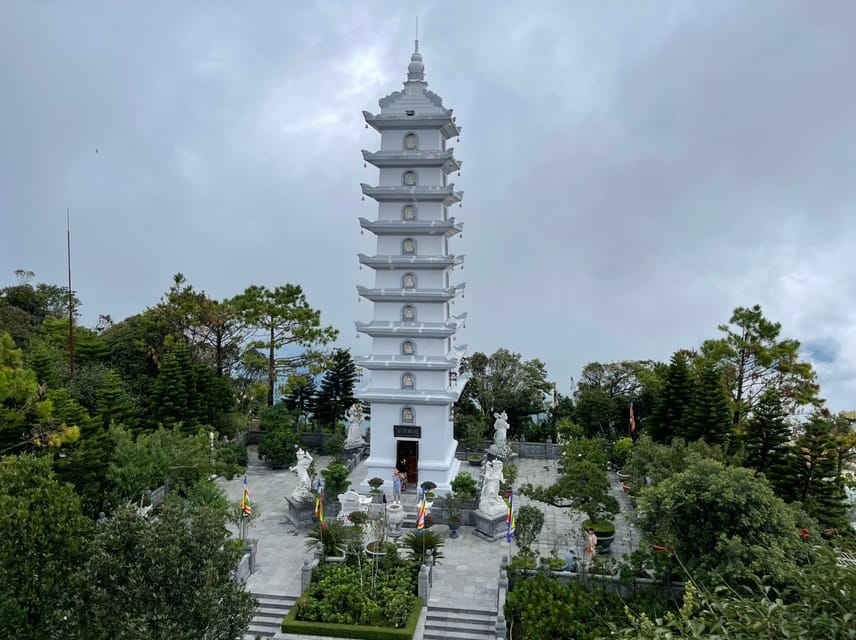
303 489
354 417
491 503
500 447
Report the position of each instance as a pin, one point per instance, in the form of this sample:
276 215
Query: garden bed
291 625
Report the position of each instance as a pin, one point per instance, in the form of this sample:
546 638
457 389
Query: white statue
500 429
354 417
491 503
303 489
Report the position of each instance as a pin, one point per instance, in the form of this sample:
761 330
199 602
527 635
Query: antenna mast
70 298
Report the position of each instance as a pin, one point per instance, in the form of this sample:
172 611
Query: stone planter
394 518
454 525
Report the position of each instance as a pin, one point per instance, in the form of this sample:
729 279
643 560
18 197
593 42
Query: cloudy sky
633 171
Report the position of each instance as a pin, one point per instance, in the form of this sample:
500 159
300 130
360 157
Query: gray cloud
632 172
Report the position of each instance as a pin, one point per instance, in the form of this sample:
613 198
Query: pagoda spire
416 69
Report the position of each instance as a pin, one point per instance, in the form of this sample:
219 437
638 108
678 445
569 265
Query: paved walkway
467 575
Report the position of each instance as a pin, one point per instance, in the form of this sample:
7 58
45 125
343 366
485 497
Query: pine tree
114 402
813 479
709 414
337 388
170 390
667 419
302 396
767 435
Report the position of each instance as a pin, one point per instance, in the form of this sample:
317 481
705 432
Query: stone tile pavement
467 575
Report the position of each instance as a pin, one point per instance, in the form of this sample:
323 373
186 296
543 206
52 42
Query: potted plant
603 529
358 518
375 484
428 487
453 508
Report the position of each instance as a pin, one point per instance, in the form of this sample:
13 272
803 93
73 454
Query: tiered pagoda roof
447 228
411 295
443 159
396 261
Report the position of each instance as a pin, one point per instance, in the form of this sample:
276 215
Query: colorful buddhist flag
510 518
246 505
632 419
319 505
420 516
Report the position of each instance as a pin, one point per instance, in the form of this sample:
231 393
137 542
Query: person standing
396 486
591 547
402 471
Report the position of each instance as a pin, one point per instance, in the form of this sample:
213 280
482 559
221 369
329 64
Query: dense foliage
381 593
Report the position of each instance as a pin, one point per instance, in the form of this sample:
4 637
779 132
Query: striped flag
420 517
632 419
510 519
319 505
246 505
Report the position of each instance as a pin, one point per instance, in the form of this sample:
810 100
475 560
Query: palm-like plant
421 541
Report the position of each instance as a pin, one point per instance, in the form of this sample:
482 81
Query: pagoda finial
416 70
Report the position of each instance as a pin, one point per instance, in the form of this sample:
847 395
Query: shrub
335 445
420 542
601 528
528 524
375 483
335 480
279 447
464 486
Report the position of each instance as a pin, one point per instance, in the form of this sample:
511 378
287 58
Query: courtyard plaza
467 575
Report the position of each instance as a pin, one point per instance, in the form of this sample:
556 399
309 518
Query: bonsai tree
583 487
464 486
375 484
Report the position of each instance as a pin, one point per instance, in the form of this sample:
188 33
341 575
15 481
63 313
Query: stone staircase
269 614
444 623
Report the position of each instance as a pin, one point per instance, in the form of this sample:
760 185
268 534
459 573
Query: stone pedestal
300 512
394 518
490 527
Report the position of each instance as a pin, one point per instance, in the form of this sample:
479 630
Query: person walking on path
396 486
591 547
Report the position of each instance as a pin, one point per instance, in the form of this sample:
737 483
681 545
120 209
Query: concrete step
446 623
267 620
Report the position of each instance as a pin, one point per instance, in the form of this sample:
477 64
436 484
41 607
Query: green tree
337 388
724 524
583 486
708 415
505 382
42 540
283 319
753 359
22 402
812 476
165 578
672 406
301 397
114 402
820 607
173 393
767 435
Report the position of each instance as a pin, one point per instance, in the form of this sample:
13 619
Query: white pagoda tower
410 379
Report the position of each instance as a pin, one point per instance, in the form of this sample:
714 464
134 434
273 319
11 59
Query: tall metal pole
70 299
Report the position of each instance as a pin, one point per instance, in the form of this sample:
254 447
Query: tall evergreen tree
767 435
813 477
302 396
709 414
114 402
172 387
336 393
671 407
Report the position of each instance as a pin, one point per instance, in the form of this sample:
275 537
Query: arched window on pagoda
408 246
408 212
407 348
408 313
409 178
407 414
408 281
408 381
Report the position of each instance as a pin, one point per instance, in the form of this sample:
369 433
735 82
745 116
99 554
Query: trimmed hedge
290 625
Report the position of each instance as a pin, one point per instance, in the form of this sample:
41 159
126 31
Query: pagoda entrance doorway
408 450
